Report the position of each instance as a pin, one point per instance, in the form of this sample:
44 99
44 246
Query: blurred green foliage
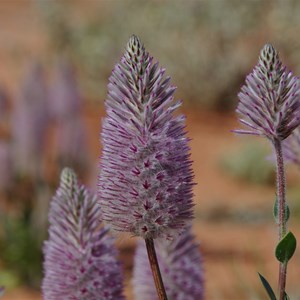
207 46
20 251
250 163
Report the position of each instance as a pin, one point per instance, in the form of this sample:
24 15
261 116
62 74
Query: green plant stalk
282 224
161 292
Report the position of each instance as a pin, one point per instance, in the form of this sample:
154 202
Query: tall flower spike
270 107
270 101
66 100
66 110
80 259
30 121
181 267
146 178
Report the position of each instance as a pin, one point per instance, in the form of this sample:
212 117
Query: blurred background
56 57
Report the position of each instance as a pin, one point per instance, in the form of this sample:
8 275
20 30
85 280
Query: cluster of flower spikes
146 180
80 258
270 101
180 265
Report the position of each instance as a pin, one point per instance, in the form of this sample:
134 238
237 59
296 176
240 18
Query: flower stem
282 226
155 269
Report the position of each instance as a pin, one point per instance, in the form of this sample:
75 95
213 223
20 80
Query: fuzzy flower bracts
146 178
80 259
270 100
181 267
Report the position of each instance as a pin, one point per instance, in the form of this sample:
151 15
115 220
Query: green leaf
286 248
286 297
267 287
275 211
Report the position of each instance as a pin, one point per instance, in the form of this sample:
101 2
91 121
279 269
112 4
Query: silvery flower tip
80 258
146 179
269 102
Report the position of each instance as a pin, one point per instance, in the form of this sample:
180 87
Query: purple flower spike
66 100
181 267
30 122
80 259
146 178
270 100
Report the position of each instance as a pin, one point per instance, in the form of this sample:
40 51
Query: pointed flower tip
134 44
269 49
269 54
67 173
68 177
269 58
134 39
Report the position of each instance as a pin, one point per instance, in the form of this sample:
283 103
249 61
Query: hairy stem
282 226
155 269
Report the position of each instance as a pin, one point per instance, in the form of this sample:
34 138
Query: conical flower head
80 259
146 178
270 100
181 268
